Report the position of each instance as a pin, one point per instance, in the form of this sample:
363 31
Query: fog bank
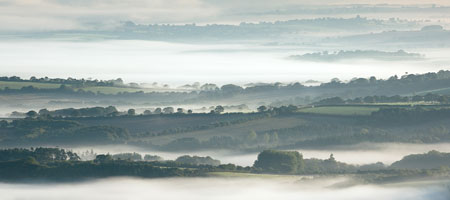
221 188
178 64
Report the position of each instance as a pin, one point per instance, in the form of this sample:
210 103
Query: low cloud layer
220 188
43 15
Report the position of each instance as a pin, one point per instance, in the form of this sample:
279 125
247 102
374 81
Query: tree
103 158
335 81
31 113
331 159
147 112
180 110
359 81
372 80
393 78
157 111
219 109
110 109
44 112
197 160
131 111
148 157
209 87
118 82
189 111
230 88
262 109
73 156
127 156
274 161
168 110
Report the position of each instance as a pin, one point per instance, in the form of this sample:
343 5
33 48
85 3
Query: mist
41 15
277 187
177 64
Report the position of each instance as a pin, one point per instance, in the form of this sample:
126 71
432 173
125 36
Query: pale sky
42 15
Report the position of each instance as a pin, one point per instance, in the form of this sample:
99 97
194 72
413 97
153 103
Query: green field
341 110
18 85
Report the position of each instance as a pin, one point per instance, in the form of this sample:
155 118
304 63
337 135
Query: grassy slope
341 110
331 114
156 123
139 125
238 130
159 123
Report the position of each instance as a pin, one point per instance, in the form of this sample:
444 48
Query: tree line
429 97
408 83
69 81
55 164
